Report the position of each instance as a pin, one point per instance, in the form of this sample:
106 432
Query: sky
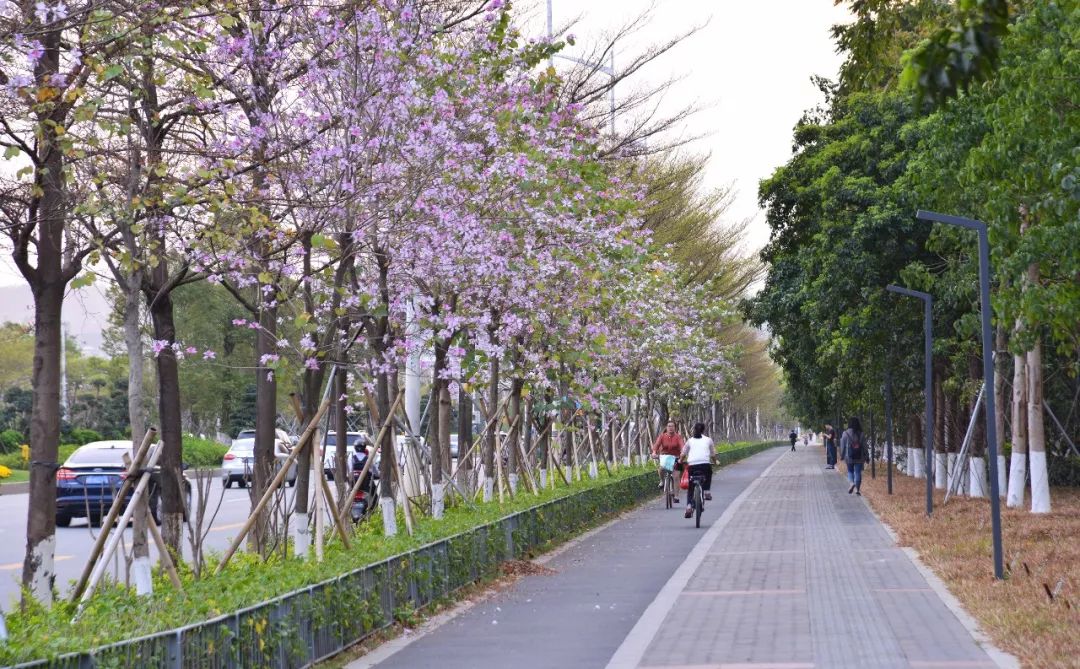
748 68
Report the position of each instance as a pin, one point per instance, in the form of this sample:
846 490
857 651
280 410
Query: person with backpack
854 449
794 436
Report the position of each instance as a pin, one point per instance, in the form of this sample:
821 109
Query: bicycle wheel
669 494
699 505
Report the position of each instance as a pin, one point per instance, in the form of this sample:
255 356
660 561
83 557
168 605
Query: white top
698 450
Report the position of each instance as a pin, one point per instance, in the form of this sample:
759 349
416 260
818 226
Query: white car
238 464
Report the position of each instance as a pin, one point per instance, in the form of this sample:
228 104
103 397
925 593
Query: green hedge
202 453
465 533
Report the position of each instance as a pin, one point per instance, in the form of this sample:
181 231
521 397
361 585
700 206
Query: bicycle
697 497
668 481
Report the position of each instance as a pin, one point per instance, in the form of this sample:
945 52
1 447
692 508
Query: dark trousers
830 452
704 472
793 444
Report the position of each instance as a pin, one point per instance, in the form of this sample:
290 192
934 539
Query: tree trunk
171 506
1018 470
942 413
514 437
1000 359
133 340
265 425
489 439
465 435
341 429
1040 481
38 573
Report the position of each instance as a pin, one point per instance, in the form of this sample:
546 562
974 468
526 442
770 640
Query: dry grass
1033 614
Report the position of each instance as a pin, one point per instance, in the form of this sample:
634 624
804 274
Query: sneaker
708 497
859 493
675 500
689 512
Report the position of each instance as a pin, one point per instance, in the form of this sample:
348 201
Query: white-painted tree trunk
1017 481
142 574
941 470
1003 475
594 472
915 458
1040 483
489 488
1040 479
513 478
438 500
389 516
1018 477
977 486
44 576
301 535
951 459
543 477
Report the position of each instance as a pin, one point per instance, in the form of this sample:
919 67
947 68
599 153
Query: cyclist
669 442
698 455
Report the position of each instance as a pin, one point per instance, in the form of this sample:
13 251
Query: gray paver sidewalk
578 616
805 576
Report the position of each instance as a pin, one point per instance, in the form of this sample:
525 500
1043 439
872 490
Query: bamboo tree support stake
592 452
316 466
114 538
536 443
479 439
164 556
114 511
401 483
499 468
345 502
318 473
274 484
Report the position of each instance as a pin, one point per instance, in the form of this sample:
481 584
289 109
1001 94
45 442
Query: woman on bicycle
698 454
669 442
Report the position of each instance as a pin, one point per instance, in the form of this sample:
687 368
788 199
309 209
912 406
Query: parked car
239 462
330 449
89 480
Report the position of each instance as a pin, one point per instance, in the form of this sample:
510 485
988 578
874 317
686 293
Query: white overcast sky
749 68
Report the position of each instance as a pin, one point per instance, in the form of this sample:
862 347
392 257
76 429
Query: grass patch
17 476
1035 612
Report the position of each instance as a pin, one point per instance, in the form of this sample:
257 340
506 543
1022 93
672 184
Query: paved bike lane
578 615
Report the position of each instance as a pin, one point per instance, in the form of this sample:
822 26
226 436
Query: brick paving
804 575
798 575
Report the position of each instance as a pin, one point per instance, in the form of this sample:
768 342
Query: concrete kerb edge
1001 658
631 651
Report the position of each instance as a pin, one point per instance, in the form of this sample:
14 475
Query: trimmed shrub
10 440
82 435
202 452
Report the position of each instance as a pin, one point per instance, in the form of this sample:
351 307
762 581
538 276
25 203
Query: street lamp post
928 332
988 370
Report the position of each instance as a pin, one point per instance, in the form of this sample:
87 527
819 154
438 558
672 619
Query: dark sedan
91 477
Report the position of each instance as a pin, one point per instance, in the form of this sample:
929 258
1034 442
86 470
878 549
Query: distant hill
86 312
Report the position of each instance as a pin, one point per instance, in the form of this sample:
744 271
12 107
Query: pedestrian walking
794 436
830 446
853 446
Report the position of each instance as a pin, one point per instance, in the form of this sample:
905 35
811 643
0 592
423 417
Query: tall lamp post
928 332
988 369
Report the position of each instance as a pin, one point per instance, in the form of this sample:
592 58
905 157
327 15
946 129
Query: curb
20 488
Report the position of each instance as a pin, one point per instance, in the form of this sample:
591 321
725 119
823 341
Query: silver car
238 465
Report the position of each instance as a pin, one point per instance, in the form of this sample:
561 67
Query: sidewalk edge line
1001 658
631 651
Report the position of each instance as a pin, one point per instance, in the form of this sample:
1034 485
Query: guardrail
306 626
